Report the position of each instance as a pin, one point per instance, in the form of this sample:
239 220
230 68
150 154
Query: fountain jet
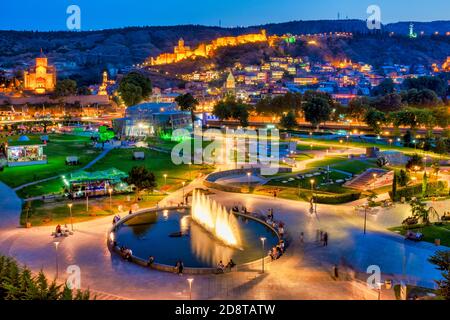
215 219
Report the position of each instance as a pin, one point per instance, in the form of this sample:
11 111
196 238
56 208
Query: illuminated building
230 84
182 52
105 83
41 78
446 65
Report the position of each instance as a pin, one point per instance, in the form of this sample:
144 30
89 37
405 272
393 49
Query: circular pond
171 235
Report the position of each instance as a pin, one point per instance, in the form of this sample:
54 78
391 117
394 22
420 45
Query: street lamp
190 280
110 190
365 217
183 183
390 142
165 179
70 210
56 243
414 141
374 179
263 239
248 180
190 171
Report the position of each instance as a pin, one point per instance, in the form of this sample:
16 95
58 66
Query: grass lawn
54 213
157 162
336 144
307 147
58 148
355 166
54 186
327 161
306 184
430 232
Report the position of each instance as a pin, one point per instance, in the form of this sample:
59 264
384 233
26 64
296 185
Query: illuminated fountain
215 219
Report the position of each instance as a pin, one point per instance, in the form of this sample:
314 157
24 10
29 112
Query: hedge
433 188
337 198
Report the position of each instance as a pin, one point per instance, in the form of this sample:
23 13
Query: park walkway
90 164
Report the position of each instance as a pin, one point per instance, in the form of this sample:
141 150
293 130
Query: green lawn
327 161
59 147
44 188
335 144
430 232
54 213
157 162
306 147
355 166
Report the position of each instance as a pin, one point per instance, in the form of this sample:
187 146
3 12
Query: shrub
337 198
433 188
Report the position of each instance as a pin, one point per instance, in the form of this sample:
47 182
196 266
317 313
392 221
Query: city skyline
51 16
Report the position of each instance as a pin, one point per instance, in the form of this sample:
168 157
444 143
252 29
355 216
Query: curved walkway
302 273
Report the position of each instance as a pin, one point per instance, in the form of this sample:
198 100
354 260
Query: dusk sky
47 15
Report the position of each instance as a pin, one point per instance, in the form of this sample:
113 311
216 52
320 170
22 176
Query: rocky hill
85 54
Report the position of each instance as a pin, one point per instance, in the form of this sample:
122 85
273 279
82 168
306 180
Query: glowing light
214 218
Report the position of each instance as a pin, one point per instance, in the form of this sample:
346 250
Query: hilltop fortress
182 52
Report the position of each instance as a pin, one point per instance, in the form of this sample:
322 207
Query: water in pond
149 235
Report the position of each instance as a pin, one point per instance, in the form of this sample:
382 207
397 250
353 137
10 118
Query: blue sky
101 14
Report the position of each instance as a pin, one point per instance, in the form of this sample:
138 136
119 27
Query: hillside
85 54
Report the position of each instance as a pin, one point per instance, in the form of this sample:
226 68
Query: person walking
302 236
325 239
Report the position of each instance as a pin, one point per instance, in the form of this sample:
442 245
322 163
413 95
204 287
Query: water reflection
206 249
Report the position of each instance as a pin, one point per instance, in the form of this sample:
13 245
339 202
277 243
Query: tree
424 184
394 186
386 86
141 178
388 102
131 94
317 110
382 162
84 91
414 163
403 178
441 259
232 109
357 107
65 88
374 119
289 120
187 103
421 98
435 84
134 88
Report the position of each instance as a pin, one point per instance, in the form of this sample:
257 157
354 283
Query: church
40 78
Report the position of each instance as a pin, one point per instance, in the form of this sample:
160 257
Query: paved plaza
304 272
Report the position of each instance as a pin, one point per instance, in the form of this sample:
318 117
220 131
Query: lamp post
87 202
312 181
374 179
248 180
414 141
263 239
165 179
183 183
70 210
365 217
190 280
56 244
190 171
110 190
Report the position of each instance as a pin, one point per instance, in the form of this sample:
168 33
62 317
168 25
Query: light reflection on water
149 236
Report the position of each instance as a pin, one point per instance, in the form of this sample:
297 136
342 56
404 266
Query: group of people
126 253
278 250
179 266
221 267
243 209
322 236
59 231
